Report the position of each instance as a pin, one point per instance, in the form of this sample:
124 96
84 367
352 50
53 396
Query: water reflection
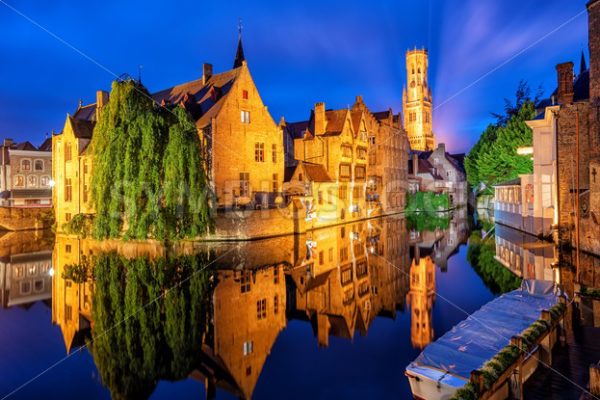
25 268
222 308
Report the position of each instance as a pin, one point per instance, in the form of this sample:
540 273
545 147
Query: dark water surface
267 319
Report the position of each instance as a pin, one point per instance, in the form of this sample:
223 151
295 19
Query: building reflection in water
525 255
338 280
25 268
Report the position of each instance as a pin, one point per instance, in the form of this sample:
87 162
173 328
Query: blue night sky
298 53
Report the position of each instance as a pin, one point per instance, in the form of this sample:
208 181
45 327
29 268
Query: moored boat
446 365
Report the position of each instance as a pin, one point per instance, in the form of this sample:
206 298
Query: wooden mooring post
595 379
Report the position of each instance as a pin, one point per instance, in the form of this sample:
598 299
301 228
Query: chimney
8 142
442 147
415 161
594 38
206 72
319 118
565 82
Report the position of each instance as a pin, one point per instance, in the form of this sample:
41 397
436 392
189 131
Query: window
259 152
245 117
45 180
248 371
68 190
67 217
346 276
244 184
85 193
345 171
25 165
321 257
361 153
261 309
67 248
372 140
320 197
276 304
529 194
275 183
329 196
245 282
68 313
38 165
331 254
344 254
248 347
343 192
32 181
245 94
274 153
276 276
85 167
346 150
68 155
343 232
25 287
359 172
19 181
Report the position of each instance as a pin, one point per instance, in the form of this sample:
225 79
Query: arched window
26 165
32 181
38 165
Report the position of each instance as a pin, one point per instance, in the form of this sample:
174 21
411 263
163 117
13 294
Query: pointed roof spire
239 55
583 66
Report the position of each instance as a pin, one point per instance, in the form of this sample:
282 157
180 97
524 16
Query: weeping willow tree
150 320
148 178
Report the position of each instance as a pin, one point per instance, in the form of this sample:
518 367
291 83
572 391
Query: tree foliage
148 178
150 320
494 159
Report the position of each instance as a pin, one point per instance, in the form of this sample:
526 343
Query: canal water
336 313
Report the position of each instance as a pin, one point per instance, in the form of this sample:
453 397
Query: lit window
248 347
245 117
32 181
19 181
68 190
45 180
274 153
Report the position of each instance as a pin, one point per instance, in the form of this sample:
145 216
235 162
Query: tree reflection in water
138 340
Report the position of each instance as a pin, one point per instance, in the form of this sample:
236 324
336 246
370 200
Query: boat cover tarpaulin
471 343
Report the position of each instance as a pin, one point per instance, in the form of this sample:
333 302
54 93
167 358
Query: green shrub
80 224
427 201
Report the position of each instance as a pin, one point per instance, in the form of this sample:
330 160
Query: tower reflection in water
220 308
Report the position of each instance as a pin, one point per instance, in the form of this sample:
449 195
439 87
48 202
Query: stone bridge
20 219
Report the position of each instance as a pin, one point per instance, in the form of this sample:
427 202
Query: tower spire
239 55
583 65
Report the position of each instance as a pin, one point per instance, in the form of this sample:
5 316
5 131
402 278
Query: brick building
25 174
362 155
243 145
417 101
573 116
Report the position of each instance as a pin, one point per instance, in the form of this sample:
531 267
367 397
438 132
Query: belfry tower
417 102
